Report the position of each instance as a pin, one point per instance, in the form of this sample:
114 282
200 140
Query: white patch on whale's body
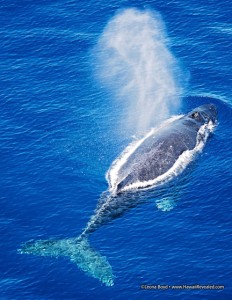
181 163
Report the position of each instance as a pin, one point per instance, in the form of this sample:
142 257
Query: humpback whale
158 157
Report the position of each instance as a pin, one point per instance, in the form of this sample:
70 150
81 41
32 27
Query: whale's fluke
78 251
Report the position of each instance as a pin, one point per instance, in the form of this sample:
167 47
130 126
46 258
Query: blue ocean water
60 131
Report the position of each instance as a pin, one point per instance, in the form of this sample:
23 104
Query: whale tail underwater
78 251
157 158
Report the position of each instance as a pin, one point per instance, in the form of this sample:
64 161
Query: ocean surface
70 105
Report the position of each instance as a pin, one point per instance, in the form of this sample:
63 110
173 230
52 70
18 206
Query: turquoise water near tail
62 124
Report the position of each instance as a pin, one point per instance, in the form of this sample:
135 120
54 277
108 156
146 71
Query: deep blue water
60 132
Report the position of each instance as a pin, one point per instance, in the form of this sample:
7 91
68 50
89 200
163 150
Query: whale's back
158 153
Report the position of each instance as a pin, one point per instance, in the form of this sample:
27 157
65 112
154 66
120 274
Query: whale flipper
78 251
165 204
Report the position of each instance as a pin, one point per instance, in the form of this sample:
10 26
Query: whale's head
204 114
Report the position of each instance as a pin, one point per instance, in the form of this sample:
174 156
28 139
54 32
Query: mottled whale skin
154 156
158 153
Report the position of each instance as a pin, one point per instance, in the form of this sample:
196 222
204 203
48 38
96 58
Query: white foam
182 162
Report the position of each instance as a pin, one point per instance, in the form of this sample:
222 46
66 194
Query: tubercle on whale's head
204 114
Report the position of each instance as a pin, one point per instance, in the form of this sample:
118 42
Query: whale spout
77 251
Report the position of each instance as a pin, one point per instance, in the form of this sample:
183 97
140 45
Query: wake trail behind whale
136 64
